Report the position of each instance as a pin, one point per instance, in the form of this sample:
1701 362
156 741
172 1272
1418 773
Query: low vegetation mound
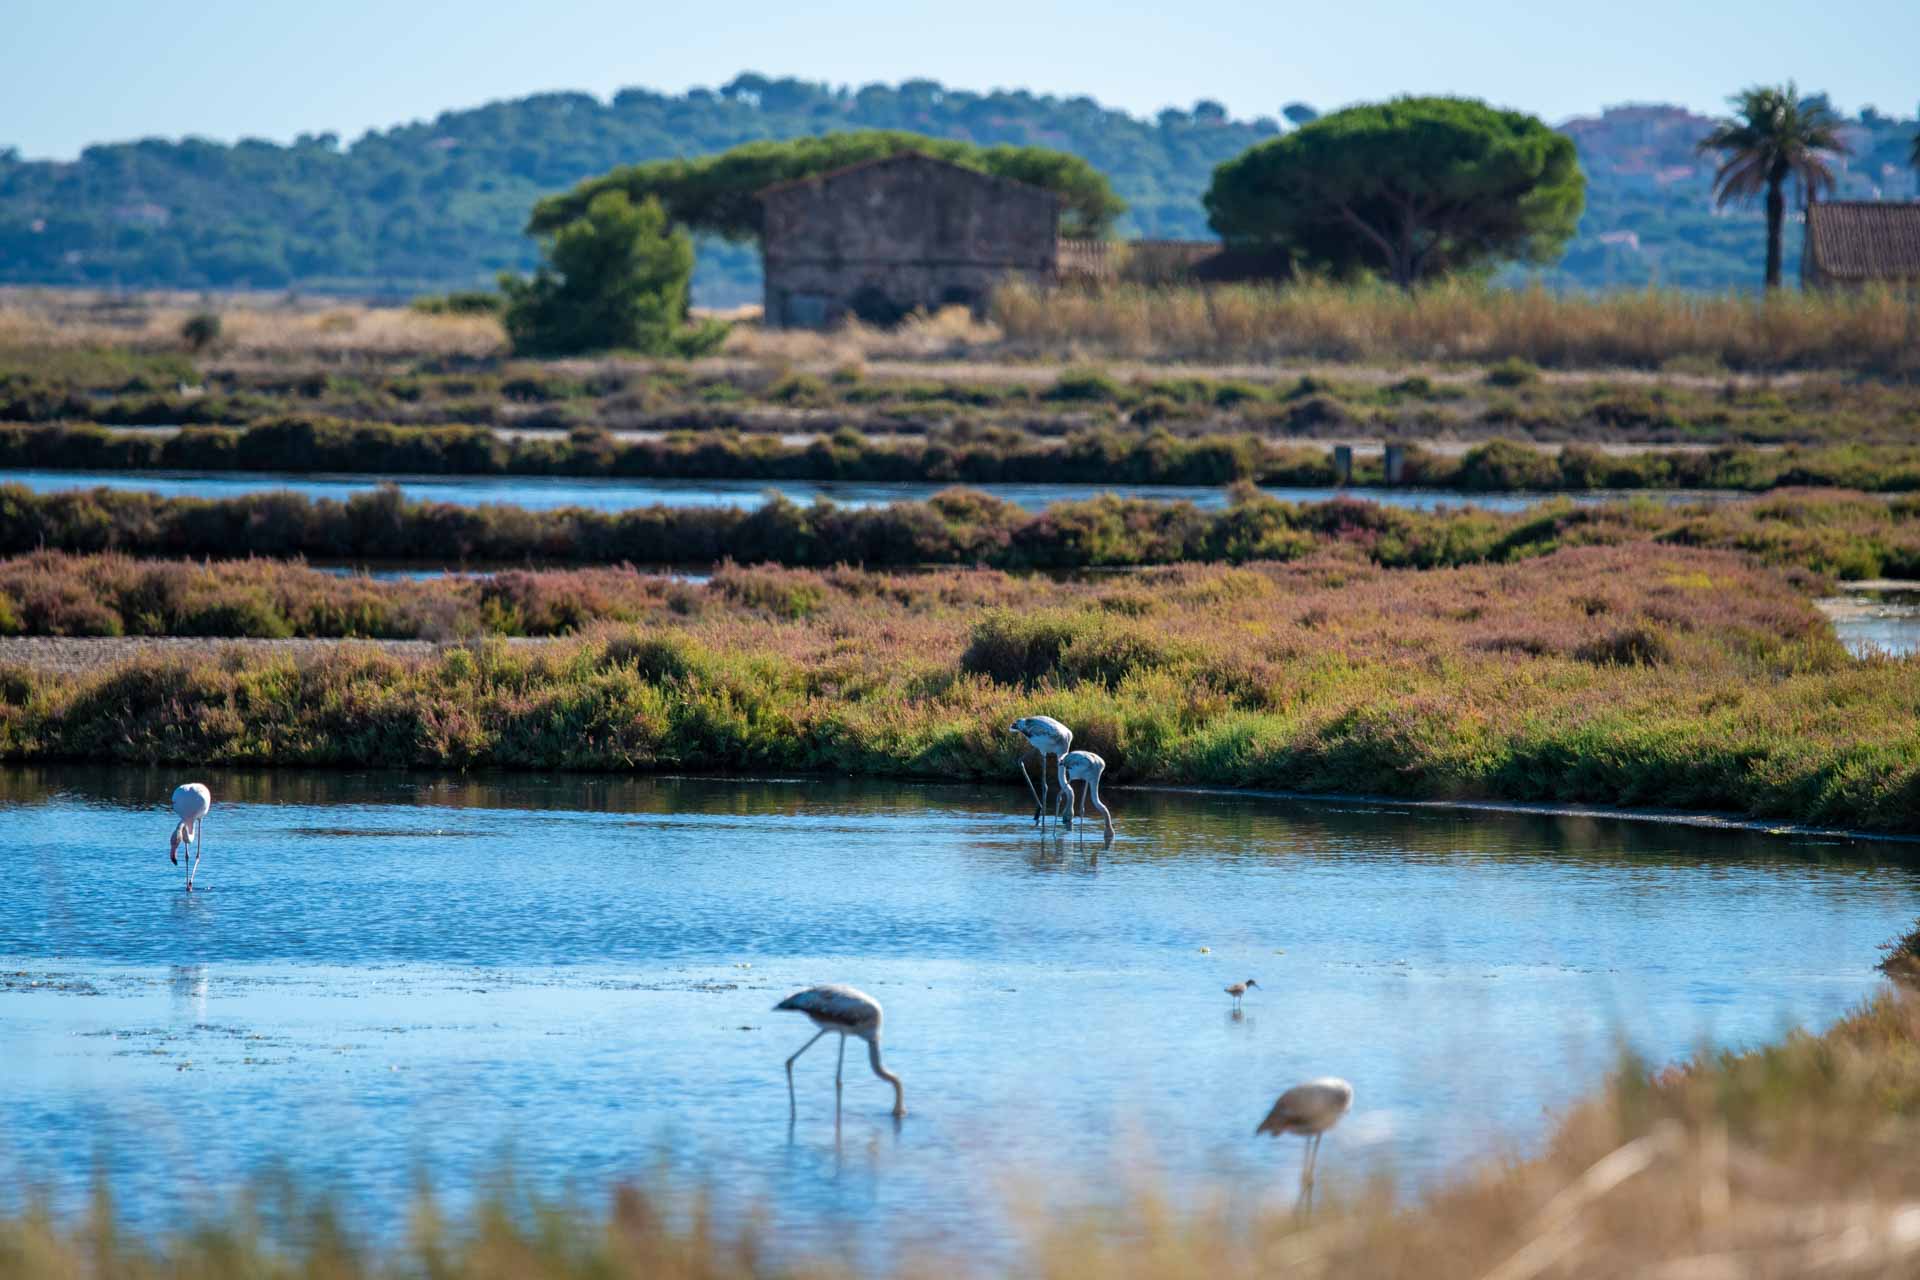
1116 456
1632 675
1843 534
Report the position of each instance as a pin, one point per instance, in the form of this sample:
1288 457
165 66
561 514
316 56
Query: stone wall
881 239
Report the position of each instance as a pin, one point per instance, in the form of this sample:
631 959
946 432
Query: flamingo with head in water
1085 768
852 1013
1050 738
191 800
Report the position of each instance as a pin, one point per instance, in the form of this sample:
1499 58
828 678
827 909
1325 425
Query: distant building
1850 244
879 239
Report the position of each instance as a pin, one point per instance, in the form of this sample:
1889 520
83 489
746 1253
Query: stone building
1855 243
877 240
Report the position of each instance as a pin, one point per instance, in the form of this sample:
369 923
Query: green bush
1066 647
1513 372
201 330
614 278
1074 385
460 302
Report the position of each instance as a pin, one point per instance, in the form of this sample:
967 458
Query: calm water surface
548 492
576 974
1883 620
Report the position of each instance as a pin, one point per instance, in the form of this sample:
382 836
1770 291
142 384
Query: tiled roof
1865 240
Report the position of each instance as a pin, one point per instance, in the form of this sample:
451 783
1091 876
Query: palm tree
1775 134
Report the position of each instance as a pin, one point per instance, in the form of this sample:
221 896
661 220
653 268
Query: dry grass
250 328
951 332
1876 331
1243 327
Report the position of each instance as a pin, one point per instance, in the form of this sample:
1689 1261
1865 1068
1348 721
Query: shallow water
576 973
541 493
1883 620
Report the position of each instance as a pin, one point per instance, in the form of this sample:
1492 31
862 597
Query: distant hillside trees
442 204
716 194
1409 189
1774 135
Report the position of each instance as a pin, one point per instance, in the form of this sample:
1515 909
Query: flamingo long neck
1093 796
879 1069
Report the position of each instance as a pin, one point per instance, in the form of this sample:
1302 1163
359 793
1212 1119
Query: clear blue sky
80 71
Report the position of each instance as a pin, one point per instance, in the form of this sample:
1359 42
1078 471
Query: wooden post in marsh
1343 465
1396 464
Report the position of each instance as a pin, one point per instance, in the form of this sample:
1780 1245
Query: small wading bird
1239 989
1050 738
191 800
1310 1110
851 1013
1085 768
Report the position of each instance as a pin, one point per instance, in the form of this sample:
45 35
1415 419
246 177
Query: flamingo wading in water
851 1013
1239 989
191 800
1050 738
1085 768
1310 1110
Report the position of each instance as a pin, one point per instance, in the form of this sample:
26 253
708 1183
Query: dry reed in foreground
1241 327
1792 1160
1875 331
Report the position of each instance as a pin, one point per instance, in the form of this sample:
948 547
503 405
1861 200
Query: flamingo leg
793 1106
199 845
1030 787
841 1070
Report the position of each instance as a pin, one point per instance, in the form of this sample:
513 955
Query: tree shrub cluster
1824 531
1130 457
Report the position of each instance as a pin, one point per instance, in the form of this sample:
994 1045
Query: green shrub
201 330
614 278
798 388
1083 385
460 302
1513 372
660 657
1634 646
1066 647
233 613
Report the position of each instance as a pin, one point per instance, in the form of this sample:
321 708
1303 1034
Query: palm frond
1775 133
